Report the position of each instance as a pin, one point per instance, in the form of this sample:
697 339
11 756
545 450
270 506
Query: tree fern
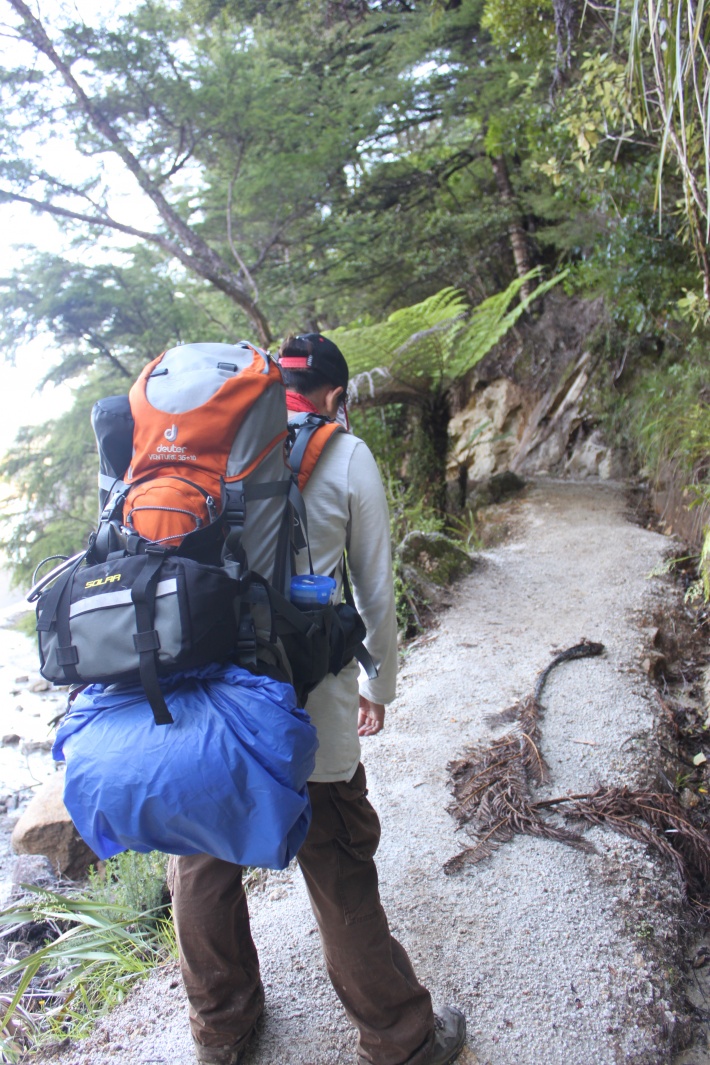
380 344
432 343
418 354
490 321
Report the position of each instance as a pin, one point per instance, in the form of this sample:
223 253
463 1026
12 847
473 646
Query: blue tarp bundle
228 778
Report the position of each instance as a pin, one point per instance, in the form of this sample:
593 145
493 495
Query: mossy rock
497 489
434 558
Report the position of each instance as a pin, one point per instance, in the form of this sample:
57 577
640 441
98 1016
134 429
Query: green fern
432 343
415 358
705 564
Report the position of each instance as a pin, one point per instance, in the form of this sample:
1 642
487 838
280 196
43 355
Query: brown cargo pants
369 969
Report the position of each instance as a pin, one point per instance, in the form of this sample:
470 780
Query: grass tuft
93 947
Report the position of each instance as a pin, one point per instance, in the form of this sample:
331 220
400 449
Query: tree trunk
565 30
516 232
430 450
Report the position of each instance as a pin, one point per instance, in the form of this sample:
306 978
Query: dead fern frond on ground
654 818
491 783
492 787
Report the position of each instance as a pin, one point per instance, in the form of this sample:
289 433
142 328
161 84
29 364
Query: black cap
311 351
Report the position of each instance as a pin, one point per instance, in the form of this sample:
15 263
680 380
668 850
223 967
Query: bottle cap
312 589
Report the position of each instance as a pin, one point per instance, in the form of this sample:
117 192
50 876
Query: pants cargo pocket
340 847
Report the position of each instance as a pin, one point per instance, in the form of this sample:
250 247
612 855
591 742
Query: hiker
369 969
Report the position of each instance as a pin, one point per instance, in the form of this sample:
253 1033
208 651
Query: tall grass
94 946
665 417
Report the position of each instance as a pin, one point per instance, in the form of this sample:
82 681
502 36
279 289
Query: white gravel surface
553 955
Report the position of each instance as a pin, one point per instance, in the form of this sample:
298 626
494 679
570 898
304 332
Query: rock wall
528 407
487 432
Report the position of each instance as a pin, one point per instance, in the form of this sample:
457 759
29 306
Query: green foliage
387 432
523 27
52 471
27 625
644 276
420 353
660 411
93 952
268 163
392 438
705 561
669 71
670 417
132 882
438 340
110 318
591 122
408 513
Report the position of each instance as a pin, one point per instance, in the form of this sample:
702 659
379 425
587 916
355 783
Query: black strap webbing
57 605
365 659
266 489
361 652
146 639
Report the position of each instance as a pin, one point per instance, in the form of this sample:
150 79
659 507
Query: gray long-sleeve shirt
347 510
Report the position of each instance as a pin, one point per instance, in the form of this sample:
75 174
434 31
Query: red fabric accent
298 404
295 362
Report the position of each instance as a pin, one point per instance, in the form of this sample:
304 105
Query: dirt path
552 954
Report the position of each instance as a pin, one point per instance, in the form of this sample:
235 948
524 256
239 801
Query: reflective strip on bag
120 597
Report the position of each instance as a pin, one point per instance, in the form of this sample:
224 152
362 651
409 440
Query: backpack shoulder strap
311 434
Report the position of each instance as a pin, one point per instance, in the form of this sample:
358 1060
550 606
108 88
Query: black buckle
118 498
67 656
236 510
146 641
246 635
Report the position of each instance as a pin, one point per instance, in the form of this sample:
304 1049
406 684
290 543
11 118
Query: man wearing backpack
369 969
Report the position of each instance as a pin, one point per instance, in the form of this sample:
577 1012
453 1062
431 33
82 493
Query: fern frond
490 321
434 342
378 344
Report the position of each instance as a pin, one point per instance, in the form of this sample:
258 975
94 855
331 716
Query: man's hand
371 718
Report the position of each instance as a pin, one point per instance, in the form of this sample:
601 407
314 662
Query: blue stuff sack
227 778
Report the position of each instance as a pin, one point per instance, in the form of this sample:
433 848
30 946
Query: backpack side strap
359 651
60 592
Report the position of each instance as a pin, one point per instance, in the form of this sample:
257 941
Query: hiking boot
218 1055
449 1036
229 1055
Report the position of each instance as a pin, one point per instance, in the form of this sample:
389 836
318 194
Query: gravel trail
546 949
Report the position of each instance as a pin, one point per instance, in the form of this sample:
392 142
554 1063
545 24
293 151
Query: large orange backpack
210 425
201 519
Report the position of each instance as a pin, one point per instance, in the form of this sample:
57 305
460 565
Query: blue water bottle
311 590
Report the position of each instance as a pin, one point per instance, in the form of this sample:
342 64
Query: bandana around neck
299 404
